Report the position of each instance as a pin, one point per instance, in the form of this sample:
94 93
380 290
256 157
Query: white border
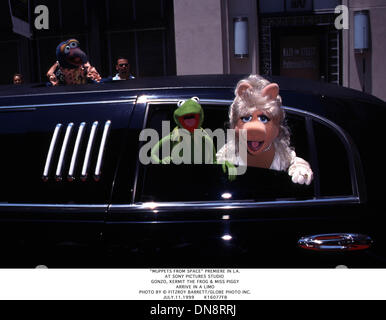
124 284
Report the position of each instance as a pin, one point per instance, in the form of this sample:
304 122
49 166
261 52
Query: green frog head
189 114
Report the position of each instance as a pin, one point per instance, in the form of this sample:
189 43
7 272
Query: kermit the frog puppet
189 117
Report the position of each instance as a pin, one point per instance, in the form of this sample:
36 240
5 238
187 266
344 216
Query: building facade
106 29
294 38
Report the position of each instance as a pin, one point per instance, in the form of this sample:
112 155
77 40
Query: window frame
356 173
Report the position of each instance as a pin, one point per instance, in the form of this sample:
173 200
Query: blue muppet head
69 54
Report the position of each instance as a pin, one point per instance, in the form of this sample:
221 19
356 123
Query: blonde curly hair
249 98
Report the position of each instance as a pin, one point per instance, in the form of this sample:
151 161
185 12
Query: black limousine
73 192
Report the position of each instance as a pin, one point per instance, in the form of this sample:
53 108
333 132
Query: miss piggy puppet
257 109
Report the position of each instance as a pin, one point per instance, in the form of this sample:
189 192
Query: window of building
143 34
9 52
74 15
108 29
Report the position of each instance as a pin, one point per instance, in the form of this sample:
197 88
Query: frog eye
180 103
73 45
67 49
196 99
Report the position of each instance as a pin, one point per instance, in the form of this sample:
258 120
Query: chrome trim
88 151
122 90
43 205
30 209
67 104
335 242
215 101
134 190
313 151
51 151
58 175
13 109
73 92
175 100
74 157
98 166
223 205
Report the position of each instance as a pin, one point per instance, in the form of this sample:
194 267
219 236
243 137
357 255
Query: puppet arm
208 143
232 171
92 73
227 167
156 149
300 170
222 157
51 74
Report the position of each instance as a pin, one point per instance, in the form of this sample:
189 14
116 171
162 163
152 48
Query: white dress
281 160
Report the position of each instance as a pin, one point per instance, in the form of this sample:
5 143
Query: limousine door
58 158
191 215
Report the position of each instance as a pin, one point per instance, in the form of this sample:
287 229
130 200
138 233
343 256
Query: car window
209 183
32 176
332 157
200 182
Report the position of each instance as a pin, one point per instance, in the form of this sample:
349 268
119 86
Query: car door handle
336 242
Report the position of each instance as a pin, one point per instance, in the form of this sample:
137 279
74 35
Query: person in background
18 79
123 68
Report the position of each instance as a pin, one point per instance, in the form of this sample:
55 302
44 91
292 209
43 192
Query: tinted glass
200 182
299 139
26 136
333 162
209 183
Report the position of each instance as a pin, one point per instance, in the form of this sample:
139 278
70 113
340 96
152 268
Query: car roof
304 86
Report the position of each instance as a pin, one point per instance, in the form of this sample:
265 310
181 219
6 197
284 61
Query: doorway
300 52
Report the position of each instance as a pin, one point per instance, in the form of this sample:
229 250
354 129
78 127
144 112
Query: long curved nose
77 53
